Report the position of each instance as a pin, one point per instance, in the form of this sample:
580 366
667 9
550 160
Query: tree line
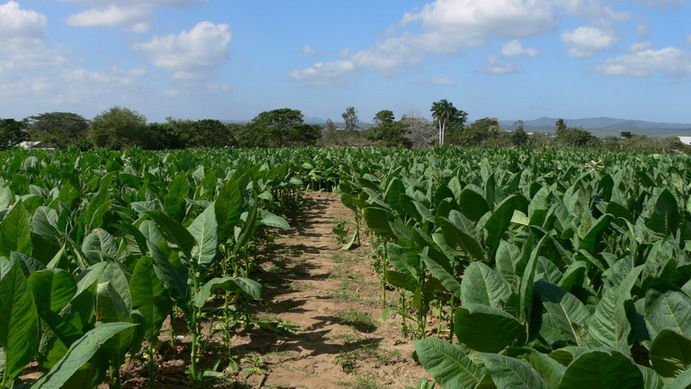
121 128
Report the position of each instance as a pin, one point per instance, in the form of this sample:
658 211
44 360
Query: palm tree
443 112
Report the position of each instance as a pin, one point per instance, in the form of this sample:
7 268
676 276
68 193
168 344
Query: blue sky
227 59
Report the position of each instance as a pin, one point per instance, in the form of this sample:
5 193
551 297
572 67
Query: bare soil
319 325
332 297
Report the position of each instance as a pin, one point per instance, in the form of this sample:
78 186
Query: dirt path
330 298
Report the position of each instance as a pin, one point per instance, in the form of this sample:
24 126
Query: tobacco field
507 268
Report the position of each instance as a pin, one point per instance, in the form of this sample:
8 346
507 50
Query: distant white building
685 140
34 145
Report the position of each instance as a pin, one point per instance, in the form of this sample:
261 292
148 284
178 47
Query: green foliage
350 119
11 133
57 129
560 284
279 128
445 114
117 128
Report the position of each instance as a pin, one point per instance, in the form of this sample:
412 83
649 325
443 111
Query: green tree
575 137
388 132
117 128
350 118
211 133
384 116
559 126
303 135
158 136
329 136
481 130
57 129
282 127
519 137
11 133
445 113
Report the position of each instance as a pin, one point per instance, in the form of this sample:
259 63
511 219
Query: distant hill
603 126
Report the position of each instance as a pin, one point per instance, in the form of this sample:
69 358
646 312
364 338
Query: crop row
559 269
540 268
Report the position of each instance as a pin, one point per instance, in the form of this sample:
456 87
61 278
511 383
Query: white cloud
20 27
514 48
443 81
493 66
131 15
324 73
189 54
645 61
593 10
173 92
586 41
447 27
688 39
22 39
452 24
309 50
500 68
133 18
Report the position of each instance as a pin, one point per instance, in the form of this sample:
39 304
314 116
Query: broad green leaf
609 326
15 232
52 289
487 329
393 193
683 381
173 231
498 223
668 311
6 198
670 353
569 313
448 364
602 369
377 220
665 217
275 221
44 222
102 272
511 373
249 287
472 204
449 282
229 206
401 280
456 236
100 246
19 332
204 229
549 369
174 281
483 285
174 203
651 379
78 354
111 308
149 297
594 236
403 259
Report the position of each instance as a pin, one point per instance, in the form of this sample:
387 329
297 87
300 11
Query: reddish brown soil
311 283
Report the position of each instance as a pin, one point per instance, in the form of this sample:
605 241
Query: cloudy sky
228 59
